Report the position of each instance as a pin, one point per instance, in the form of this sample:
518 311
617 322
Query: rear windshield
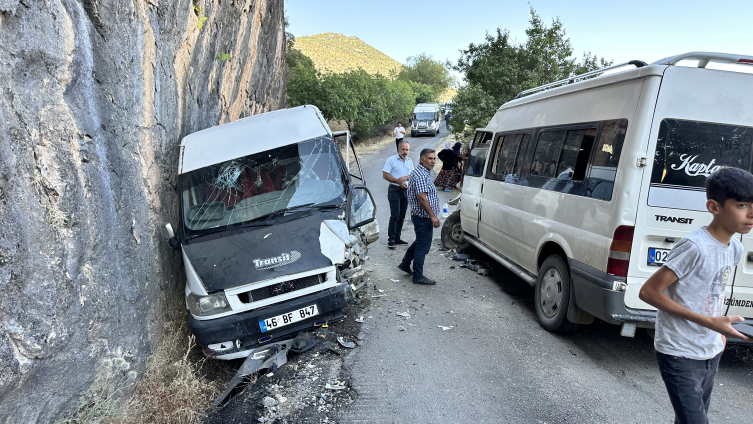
689 151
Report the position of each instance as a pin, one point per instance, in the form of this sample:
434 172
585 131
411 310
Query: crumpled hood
227 260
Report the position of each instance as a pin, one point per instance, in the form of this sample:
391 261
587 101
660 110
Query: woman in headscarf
447 177
459 171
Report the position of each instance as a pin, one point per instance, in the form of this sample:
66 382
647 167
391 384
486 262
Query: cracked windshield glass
255 187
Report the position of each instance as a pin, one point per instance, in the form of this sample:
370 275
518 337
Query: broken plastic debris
394 281
360 319
444 328
335 386
403 314
380 290
461 257
378 295
402 328
271 374
343 343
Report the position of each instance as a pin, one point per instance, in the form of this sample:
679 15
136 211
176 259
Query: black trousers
398 199
397 142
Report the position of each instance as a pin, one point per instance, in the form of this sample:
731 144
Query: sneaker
405 268
425 281
391 244
401 243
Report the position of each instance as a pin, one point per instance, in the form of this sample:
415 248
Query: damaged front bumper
235 336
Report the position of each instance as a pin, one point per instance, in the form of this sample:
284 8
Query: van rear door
702 121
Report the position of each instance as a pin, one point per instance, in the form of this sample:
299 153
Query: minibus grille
285 287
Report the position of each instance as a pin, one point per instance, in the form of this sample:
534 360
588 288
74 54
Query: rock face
95 97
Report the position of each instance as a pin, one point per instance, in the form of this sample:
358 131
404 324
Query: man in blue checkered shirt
424 207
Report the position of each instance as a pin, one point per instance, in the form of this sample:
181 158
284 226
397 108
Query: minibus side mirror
361 207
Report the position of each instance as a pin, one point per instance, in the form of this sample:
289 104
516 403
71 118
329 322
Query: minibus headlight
212 304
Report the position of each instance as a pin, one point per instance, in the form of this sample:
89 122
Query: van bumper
244 332
423 131
593 291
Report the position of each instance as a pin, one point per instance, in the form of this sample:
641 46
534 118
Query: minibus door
695 129
473 182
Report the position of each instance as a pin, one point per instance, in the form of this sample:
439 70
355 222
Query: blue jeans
689 383
417 251
398 199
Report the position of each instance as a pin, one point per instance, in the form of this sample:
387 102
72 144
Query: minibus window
576 151
520 161
547 153
607 156
689 151
507 147
477 161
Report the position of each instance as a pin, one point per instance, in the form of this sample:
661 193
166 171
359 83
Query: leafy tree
498 69
423 69
423 93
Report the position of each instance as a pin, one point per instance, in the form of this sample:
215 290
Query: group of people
413 186
688 290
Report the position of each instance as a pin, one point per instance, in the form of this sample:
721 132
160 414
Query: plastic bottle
445 214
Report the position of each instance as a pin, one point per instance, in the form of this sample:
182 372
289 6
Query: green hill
339 53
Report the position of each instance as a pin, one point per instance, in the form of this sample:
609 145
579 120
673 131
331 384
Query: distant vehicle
425 119
273 229
588 185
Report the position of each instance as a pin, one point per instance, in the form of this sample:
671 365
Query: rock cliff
95 97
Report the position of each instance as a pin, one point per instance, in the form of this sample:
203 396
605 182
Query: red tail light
619 251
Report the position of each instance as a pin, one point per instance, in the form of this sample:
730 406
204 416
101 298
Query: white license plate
289 318
657 257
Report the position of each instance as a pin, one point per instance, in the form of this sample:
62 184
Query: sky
616 30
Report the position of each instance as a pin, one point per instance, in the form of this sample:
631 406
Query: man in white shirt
399 133
396 171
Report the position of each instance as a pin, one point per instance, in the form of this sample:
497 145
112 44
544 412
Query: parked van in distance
425 119
273 229
581 187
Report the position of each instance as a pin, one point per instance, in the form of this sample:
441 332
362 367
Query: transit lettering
678 220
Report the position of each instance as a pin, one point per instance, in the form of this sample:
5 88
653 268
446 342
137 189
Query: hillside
338 53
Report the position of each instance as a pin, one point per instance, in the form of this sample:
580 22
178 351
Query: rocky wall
95 96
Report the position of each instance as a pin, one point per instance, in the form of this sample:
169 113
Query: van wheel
452 233
552 294
412 134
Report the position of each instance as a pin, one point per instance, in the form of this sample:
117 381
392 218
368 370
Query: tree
423 69
497 70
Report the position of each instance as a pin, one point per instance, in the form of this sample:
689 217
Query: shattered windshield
252 188
423 116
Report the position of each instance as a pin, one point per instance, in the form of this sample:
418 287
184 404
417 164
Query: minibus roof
251 135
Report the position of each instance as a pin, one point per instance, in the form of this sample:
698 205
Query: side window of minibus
545 157
507 149
607 156
479 153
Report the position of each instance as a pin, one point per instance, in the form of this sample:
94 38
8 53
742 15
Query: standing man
396 171
399 133
424 206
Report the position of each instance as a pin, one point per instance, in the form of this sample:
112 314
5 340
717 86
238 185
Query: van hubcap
551 292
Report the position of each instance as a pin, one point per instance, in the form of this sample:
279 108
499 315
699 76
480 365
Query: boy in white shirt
688 292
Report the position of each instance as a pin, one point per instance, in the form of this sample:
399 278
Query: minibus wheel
452 233
552 295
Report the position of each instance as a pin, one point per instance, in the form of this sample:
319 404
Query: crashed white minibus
581 187
273 228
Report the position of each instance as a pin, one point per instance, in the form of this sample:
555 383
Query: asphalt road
496 364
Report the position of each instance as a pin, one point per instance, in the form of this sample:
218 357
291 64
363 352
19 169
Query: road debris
337 385
271 356
402 328
394 281
343 343
445 328
360 320
403 314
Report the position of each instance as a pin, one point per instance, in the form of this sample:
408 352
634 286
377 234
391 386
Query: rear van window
479 153
689 151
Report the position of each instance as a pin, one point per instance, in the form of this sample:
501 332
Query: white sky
619 31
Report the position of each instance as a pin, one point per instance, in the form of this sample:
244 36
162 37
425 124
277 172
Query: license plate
289 318
657 257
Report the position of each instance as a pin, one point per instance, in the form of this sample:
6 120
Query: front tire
412 134
552 295
452 233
